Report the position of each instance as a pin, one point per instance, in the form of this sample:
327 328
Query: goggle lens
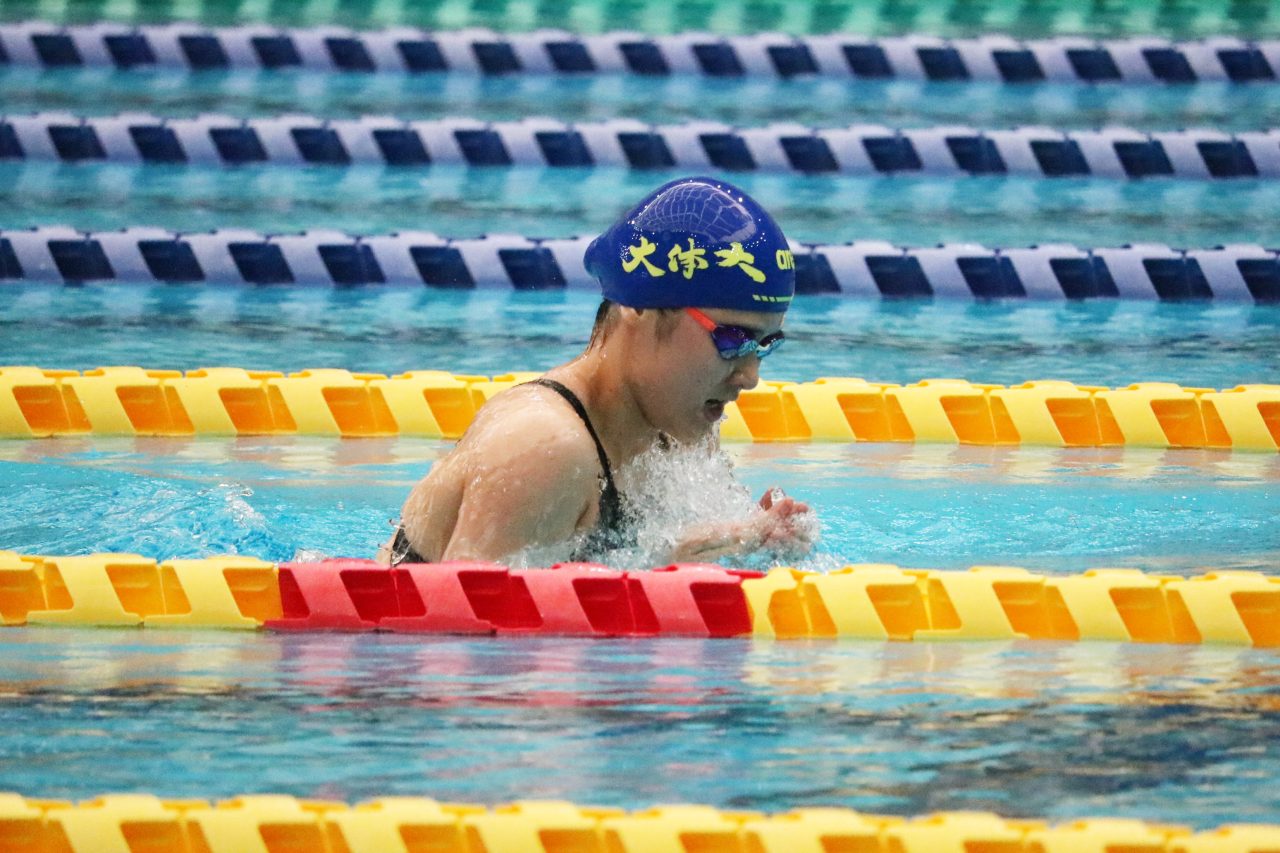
735 342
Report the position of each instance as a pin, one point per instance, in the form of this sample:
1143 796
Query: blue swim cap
695 242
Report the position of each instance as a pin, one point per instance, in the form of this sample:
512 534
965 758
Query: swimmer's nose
746 372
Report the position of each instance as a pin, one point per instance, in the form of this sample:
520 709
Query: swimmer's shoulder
532 424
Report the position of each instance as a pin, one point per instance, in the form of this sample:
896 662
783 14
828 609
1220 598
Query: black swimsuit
610 530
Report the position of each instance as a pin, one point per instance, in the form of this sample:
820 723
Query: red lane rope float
872 602
481 598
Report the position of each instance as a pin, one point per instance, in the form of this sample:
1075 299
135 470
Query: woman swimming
696 280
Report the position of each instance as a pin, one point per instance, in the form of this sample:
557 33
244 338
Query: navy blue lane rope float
915 57
860 149
57 254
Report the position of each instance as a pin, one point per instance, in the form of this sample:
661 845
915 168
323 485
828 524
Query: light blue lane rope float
1111 152
482 51
867 268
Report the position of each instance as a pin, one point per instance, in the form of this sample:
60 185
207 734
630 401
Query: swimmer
696 279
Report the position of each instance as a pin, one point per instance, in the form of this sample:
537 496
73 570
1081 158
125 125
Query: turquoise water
1027 18
460 201
466 202
1058 511
741 102
395 329
1065 731
1055 730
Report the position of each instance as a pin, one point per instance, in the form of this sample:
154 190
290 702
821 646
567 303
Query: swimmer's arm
784 525
707 542
537 495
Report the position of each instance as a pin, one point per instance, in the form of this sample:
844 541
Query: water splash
241 513
666 492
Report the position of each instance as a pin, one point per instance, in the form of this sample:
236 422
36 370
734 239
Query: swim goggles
734 341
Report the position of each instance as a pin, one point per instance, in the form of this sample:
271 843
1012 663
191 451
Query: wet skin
527 473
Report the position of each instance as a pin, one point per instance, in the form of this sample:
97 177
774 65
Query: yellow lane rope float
871 602
37 403
131 823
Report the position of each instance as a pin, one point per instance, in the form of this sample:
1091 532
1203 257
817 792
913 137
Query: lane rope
1001 59
400 824
868 602
864 149
229 401
863 268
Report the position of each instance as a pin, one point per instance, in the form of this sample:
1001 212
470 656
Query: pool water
1159 733
746 101
1063 510
1057 730
458 201
1059 511
395 329
1026 18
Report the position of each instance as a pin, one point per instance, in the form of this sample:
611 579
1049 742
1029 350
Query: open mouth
713 410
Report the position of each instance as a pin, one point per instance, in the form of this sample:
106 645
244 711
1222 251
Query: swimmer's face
690 383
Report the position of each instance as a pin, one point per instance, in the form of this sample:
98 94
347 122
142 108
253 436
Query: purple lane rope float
291 140
863 268
994 58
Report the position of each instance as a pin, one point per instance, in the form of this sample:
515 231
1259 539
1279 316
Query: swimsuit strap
402 551
572 399
611 512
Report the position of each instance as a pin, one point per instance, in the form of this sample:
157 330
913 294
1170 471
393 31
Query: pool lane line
863 149
399 824
992 58
1168 17
227 401
1173 18
860 269
873 602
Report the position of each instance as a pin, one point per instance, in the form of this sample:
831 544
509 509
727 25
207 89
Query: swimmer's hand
785 526
789 527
